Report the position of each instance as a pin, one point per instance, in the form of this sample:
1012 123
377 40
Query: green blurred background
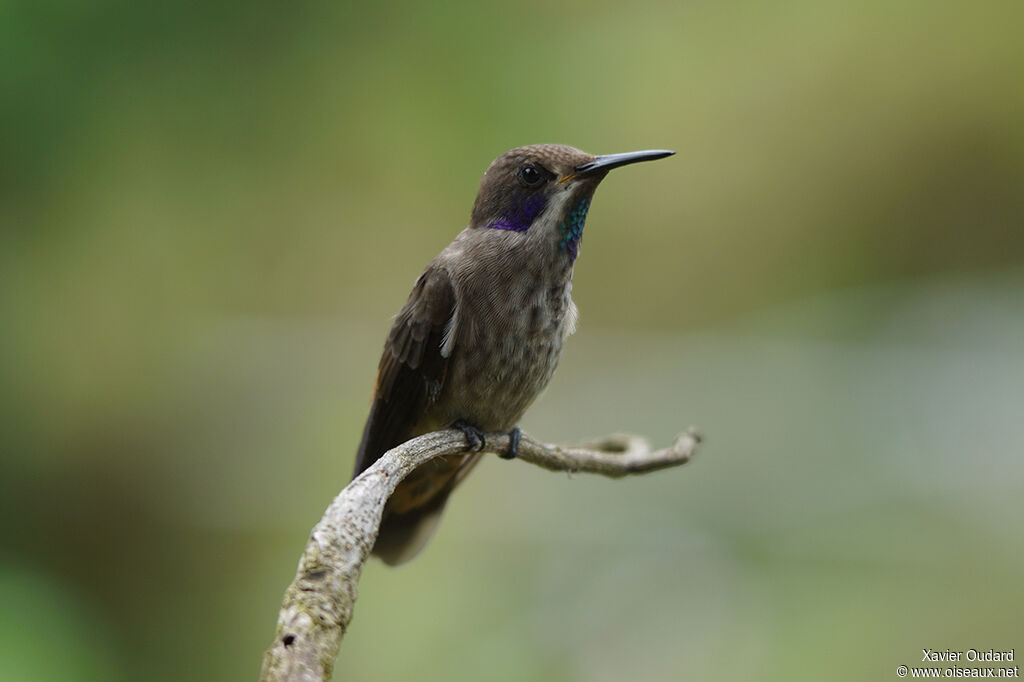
210 212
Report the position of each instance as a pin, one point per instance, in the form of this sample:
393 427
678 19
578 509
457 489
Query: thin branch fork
318 605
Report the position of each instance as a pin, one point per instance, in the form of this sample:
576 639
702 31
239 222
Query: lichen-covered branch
317 606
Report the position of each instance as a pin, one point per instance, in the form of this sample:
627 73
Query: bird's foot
514 436
474 436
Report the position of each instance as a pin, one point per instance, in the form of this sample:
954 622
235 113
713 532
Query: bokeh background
210 211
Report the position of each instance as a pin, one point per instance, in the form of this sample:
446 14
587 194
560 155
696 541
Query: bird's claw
514 436
474 436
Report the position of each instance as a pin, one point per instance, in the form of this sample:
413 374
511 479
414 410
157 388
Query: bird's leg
474 436
514 436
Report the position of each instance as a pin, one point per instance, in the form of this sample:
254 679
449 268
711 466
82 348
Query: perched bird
482 331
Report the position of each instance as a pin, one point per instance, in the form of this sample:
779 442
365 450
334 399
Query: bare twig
317 606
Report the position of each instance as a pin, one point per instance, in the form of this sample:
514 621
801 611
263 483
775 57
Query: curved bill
609 161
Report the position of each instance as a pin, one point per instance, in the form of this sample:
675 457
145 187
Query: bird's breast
509 343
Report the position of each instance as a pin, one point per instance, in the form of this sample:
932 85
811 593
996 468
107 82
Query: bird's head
546 189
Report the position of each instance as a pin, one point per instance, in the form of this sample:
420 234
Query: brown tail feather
404 533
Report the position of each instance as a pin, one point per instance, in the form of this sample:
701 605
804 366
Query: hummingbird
482 331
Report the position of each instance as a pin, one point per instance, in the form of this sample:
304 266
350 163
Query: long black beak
609 161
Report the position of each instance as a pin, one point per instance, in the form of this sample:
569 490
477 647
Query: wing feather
412 367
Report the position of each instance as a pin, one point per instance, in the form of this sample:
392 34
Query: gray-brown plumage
482 331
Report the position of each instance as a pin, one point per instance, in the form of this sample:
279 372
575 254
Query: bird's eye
530 175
